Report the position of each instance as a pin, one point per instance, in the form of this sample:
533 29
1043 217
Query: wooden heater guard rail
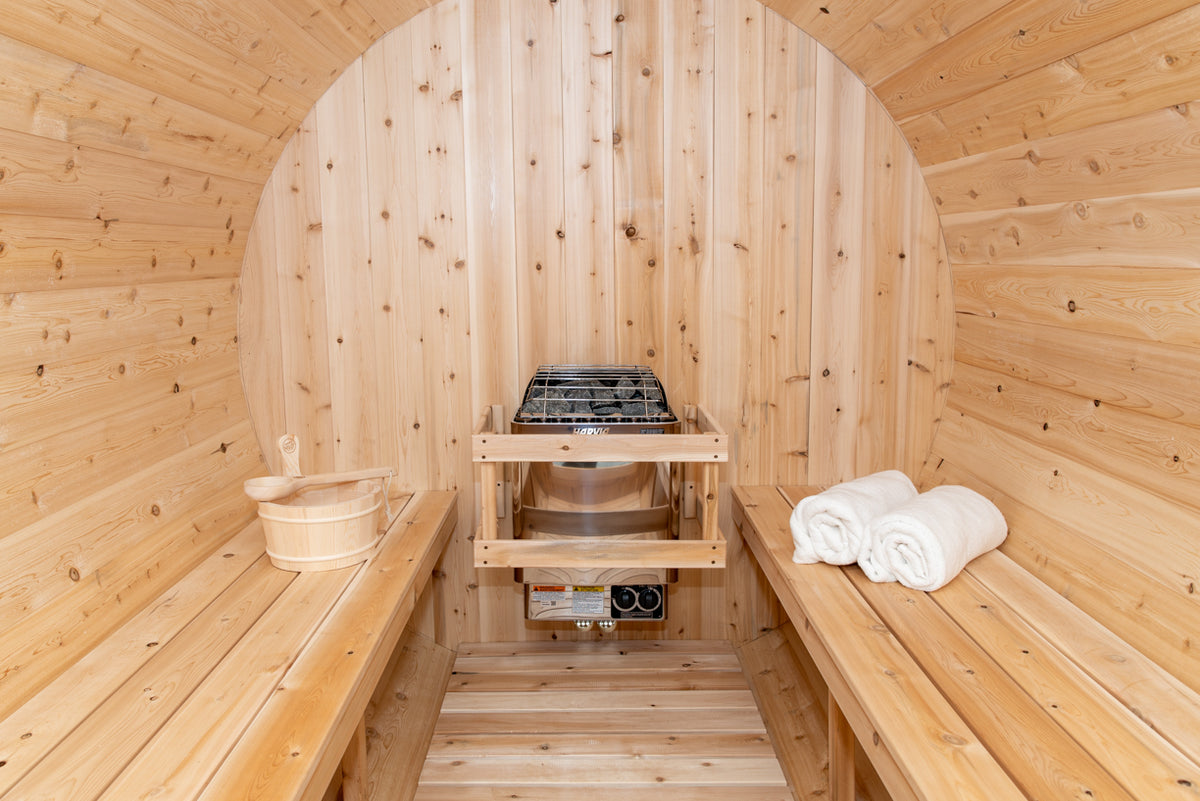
704 443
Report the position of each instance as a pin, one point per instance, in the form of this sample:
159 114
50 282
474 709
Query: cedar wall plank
1151 230
87 107
688 185
438 134
638 181
128 42
1150 68
80 392
1016 39
1142 303
491 246
1152 152
293 56
538 190
730 327
54 253
42 328
839 273
76 182
350 337
1153 379
489 255
903 31
789 173
589 63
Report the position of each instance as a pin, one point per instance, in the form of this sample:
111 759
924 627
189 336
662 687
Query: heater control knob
624 598
649 598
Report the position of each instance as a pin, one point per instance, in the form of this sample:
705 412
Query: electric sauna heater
617 500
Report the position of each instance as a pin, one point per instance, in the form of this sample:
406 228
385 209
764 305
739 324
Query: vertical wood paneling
300 258
881 292
786 290
838 272
688 231
393 191
491 249
688 199
538 209
657 183
737 136
586 31
638 181
349 303
444 292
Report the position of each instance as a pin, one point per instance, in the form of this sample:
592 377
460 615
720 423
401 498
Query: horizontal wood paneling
1150 230
54 253
1132 73
1014 40
1152 152
615 244
1063 163
85 107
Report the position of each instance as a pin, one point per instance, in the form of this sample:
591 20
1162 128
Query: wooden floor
634 720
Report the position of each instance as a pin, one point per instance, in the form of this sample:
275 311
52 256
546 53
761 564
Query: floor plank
640 719
541 792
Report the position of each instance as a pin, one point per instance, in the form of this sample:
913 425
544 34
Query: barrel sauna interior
957 238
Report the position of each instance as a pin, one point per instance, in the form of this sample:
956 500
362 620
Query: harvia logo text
590 430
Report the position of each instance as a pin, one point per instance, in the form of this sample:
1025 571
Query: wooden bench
242 681
993 687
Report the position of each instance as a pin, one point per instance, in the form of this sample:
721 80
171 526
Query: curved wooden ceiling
259 65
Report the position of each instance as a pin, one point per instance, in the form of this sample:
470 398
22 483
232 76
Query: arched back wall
693 185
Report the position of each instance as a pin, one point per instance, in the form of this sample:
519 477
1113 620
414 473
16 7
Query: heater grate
583 394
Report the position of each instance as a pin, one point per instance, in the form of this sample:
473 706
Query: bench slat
86 761
1167 705
334 678
221 709
1041 757
1144 763
47 720
877 671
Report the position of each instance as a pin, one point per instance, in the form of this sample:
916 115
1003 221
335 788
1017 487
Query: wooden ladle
272 488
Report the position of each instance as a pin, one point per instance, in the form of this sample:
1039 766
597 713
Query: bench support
841 754
354 765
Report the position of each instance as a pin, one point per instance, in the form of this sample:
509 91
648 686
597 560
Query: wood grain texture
1143 70
550 185
400 722
793 716
578 730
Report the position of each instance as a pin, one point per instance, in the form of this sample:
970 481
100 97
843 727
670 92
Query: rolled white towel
831 526
926 542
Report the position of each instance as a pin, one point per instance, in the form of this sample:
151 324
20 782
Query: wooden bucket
323 528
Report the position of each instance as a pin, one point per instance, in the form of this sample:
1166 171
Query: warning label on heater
588 600
549 596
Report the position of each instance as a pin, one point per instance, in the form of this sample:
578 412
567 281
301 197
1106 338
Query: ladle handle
272 488
289 450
